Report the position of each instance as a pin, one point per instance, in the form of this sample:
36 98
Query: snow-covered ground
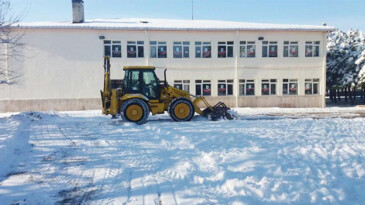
266 156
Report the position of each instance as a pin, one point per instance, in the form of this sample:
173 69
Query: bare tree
10 43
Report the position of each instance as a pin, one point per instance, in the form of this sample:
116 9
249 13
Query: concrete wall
65 66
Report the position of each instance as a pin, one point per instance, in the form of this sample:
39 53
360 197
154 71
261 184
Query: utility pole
192 9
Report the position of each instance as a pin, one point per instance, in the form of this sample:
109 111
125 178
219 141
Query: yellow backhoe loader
141 92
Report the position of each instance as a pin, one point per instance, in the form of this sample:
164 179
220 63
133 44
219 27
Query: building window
247 49
158 49
268 87
203 49
182 85
270 49
225 87
311 86
247 87
113 49
312 48
290 87
290 49
135 49
225 49
181 49
203 87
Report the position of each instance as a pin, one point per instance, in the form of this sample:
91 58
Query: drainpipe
324 51
147 38
235 82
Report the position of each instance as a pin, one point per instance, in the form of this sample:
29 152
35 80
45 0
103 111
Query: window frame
268 45
184 46
201 45
185 85
312 82
288 82
288 45
245 83
271 83
202 84
111 44
137 45
228 47
228 85
244 49
315 47
155 46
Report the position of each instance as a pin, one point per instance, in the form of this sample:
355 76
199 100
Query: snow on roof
172 24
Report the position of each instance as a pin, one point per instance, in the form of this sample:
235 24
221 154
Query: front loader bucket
220 110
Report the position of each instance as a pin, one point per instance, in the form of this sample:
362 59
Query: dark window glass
264 51
162 51
285 89
131 51
251 53
178 52
294 51
230 89
222 89
207 89
178 86
250 89
230 51
186 52
308 51
198 53
140 52
265 89
273 89
308 88
315 88
198 89
293 88
117 51
107 50
153 52
286 51
273 51
222 52
207 51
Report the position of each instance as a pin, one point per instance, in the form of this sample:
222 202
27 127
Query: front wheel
135 110
181 109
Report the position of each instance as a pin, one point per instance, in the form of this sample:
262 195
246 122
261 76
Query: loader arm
106 92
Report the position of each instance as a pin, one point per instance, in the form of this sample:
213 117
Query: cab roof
139 67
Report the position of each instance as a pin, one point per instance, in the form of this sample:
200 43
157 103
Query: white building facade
241 64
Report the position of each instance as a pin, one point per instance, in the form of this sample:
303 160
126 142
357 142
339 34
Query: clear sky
343 14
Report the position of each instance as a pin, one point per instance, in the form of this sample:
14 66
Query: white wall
60 64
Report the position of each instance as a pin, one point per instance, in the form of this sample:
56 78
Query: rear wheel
135 110
181 109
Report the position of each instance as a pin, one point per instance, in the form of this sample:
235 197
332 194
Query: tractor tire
181 109
135 110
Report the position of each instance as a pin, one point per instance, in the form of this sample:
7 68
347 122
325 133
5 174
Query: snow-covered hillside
84 157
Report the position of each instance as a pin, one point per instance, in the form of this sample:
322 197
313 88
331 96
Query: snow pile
86 158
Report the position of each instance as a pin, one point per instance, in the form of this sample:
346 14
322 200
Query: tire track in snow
160 195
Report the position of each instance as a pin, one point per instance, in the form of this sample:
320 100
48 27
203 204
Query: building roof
172 24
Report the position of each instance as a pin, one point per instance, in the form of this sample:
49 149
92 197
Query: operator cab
142 80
